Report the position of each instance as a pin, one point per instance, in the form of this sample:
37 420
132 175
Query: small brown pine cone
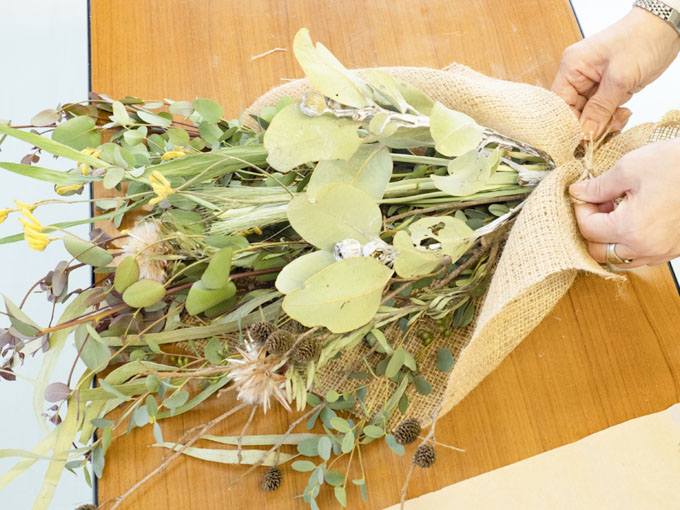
305 350
294 327
87 507
407 431
424 456
272 479
278 342
259 332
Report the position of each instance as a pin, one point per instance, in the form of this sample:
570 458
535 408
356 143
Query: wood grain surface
607 352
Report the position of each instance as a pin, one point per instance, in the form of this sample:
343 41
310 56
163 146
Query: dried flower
259 332
144 242
424 456
85 169
278 342
177 152
63 190
305 350
33 229
272 479
407 431
161 187
256 378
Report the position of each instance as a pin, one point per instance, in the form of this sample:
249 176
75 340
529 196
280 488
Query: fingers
595 225
600 108
605 188
620 119
599 252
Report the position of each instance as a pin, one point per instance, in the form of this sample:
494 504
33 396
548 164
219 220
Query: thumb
600 108
608 186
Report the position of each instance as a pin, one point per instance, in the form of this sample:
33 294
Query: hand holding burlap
544 251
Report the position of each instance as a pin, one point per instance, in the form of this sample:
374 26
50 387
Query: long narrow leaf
47 175
262 440
49 145
229 456
41 449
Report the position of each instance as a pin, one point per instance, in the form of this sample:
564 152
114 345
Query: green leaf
45 117
213 351
324 447
211 133
341 297
412 262
113 177
155 119
201 298
231 456
22 322
332 396
348 442
113 391
127 273
216 276
369 170
120 114
294 138
133 136
309 447
340 424
144 293
469 174
184 108
209 110
178 137
334 478
79 133
327 74
422 386
47 175
303 466
332 219
444 360
176 400
87 253
395 363
415 97
454 133
393 445
374 431
94 354
451 234
296 273
341 496
387 89
293 439
54 146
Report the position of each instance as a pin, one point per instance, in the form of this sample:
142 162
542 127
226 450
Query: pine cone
87 507
278 342
272 479
259 332
424 456
305 350
407 431
294 327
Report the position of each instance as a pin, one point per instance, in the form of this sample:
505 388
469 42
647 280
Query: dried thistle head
256 378
144 242
272 479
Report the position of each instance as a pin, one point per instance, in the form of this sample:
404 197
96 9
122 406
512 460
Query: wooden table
604 355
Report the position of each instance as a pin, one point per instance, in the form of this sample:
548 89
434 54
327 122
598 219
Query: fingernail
590 128
577 189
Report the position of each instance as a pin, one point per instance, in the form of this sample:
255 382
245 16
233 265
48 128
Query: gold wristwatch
664 11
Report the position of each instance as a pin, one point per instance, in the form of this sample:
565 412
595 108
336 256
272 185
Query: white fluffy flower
143 241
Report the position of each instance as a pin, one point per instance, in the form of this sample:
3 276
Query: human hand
645 225
600 73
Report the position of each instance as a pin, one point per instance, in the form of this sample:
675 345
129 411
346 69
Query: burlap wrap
544 251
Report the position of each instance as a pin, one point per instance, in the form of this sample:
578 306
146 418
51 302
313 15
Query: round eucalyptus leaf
209 110
454 133
412 262
113 177
45 117
216 275
144 293
341 297
294 274
87 253
127 273
201 298
78 132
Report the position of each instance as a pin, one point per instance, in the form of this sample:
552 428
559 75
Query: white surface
650 104
44 61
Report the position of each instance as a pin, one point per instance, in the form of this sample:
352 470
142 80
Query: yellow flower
252 230
178 152
84 167
62 190
4 213
161 186
33 232
24 206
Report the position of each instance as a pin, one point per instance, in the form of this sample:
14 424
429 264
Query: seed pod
272 479
407 431
424 456
278 342
305 350
259 332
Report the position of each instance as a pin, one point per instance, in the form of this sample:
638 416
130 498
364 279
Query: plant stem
455 206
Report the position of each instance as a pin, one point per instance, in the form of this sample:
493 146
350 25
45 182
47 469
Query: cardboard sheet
634 465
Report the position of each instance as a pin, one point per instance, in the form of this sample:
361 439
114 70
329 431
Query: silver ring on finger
611 257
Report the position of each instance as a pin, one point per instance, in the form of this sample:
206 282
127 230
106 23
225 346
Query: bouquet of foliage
310 239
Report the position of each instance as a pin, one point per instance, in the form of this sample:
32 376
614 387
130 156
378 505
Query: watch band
662 10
